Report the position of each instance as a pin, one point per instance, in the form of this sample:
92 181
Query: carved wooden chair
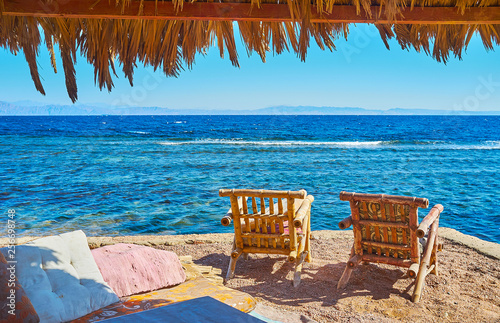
386 231
281 227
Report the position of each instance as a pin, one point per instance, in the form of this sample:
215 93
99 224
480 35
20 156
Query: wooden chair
386 231
281 228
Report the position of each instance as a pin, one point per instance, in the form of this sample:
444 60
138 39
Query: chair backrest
261 218
385 227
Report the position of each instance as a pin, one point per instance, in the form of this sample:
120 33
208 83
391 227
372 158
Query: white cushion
61 278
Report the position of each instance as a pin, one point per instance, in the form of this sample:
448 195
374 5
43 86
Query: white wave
485 145
493 142
168 143
475 147
140 132
490 145
274 143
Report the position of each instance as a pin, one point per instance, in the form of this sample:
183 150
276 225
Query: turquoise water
161 175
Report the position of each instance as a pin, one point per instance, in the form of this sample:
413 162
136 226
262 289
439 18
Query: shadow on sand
270 278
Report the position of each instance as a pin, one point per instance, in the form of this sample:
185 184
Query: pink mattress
131 269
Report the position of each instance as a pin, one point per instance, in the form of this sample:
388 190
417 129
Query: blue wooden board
203 309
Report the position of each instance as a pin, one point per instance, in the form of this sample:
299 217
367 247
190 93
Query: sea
138 175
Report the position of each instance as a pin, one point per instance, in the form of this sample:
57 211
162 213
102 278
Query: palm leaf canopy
172 44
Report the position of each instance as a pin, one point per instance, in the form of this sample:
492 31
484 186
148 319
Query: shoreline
484 247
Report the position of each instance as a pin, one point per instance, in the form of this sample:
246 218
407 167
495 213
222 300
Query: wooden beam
241 12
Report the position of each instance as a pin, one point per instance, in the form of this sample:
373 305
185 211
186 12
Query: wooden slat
265 224
247 225
280 206
262 206
365 216
260 193
384 224
382 198
384 218
262 235
393 219
271 205
387 260
260 216
261 220
245 206
386 245
282 231
243 12
291 215
284 251
377 229
237 225
414 253
357 228
404 232
254 205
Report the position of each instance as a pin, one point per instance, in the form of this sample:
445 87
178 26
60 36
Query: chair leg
230 269
426 265
308 239
419 283
232 265
235 254
298 268
434 258
344 279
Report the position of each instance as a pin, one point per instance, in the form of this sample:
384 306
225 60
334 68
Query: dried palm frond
49 42
173 45
439 41
28 37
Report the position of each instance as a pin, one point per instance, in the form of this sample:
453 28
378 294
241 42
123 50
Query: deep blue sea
113 175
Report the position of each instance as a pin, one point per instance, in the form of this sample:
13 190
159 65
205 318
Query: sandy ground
467 289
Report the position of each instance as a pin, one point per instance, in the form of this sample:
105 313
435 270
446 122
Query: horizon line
478 114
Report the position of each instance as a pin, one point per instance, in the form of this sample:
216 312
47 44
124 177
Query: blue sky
361 73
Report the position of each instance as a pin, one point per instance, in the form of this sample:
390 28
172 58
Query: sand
467 289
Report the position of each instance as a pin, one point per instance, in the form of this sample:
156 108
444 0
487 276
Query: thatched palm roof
174 32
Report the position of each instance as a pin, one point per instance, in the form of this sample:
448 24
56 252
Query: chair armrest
303 211
429 219
426 258
347 222
226 220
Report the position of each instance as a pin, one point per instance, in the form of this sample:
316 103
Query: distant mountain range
29 108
